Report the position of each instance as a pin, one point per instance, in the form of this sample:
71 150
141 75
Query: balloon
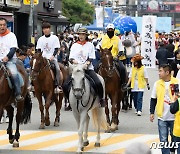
124 24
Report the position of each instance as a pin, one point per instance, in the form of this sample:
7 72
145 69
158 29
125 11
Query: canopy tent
94 27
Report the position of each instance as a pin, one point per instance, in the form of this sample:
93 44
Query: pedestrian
83 52
175 109
49 45
8 47
176 63
161 97
162 54
138 78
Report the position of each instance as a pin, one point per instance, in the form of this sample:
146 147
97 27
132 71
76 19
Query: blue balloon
124 24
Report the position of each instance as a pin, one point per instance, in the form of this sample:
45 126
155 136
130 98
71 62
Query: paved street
132 128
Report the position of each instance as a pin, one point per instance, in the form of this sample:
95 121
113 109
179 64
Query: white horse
82 101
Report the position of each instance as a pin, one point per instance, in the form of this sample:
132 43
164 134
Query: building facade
24 26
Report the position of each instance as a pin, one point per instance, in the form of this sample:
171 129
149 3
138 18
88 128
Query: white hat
110 26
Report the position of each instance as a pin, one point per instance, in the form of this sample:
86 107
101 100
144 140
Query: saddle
8 76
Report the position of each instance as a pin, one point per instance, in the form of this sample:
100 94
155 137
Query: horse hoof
114 127
97 144
15 144
42 126
11 141
56 124
86 143
108 131
47 123
130 108
82 148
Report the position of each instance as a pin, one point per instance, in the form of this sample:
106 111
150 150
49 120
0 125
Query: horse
7 98
43 80
82 100
109 72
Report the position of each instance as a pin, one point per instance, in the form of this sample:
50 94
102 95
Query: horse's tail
98 115
26 115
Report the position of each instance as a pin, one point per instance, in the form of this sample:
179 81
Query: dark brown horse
112 85
43 81
7 97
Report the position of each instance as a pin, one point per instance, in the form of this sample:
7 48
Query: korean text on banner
99 17
148 50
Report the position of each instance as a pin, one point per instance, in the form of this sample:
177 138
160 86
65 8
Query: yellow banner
28 2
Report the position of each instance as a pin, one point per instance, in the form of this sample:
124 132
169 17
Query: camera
174 88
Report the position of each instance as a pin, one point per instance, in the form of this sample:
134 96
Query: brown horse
7 97
113 90
43 81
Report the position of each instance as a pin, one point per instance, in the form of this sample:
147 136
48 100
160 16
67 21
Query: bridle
37 72
109 70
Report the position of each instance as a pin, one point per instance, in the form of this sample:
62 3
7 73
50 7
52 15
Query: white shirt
136 80
6 43
47 45
82 52
167 115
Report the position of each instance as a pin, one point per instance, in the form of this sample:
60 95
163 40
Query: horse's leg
97 143
120 98
85 141
10 112
41 108
58 107
20 106
83 117
47 105
107 111
114 111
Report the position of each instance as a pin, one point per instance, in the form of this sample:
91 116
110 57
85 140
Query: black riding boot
123 74
99 86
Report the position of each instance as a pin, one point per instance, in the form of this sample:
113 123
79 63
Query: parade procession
90 76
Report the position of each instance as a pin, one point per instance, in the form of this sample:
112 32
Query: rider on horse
49 45
8 48
82 52
110 39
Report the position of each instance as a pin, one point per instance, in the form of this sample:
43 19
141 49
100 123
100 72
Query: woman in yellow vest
138 78
175 109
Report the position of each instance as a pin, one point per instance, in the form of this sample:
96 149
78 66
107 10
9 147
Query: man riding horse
8 46
83 52
49 45
110 39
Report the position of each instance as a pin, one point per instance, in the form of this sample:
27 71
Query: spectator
162 54
176 63
175 109
170 47
160 99
138 78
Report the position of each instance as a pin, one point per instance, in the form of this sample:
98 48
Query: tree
78 11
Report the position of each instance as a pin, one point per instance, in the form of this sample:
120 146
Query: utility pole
31 21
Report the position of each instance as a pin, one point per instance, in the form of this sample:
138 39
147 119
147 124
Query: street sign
28 2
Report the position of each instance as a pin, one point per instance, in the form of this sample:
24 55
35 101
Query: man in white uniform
8 46
49 45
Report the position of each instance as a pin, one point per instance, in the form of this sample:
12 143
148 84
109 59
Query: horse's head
107 58
38 63
78 80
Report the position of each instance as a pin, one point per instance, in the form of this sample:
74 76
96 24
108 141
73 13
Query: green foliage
78 11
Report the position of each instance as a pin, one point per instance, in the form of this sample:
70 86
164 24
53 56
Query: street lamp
31 21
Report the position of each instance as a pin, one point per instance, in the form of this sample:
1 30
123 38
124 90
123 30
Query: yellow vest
140 76
160 90
176 130
107 43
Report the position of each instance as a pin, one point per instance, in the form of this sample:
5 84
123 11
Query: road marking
67 141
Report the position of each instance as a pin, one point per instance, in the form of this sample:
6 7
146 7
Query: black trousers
91 73
122 71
